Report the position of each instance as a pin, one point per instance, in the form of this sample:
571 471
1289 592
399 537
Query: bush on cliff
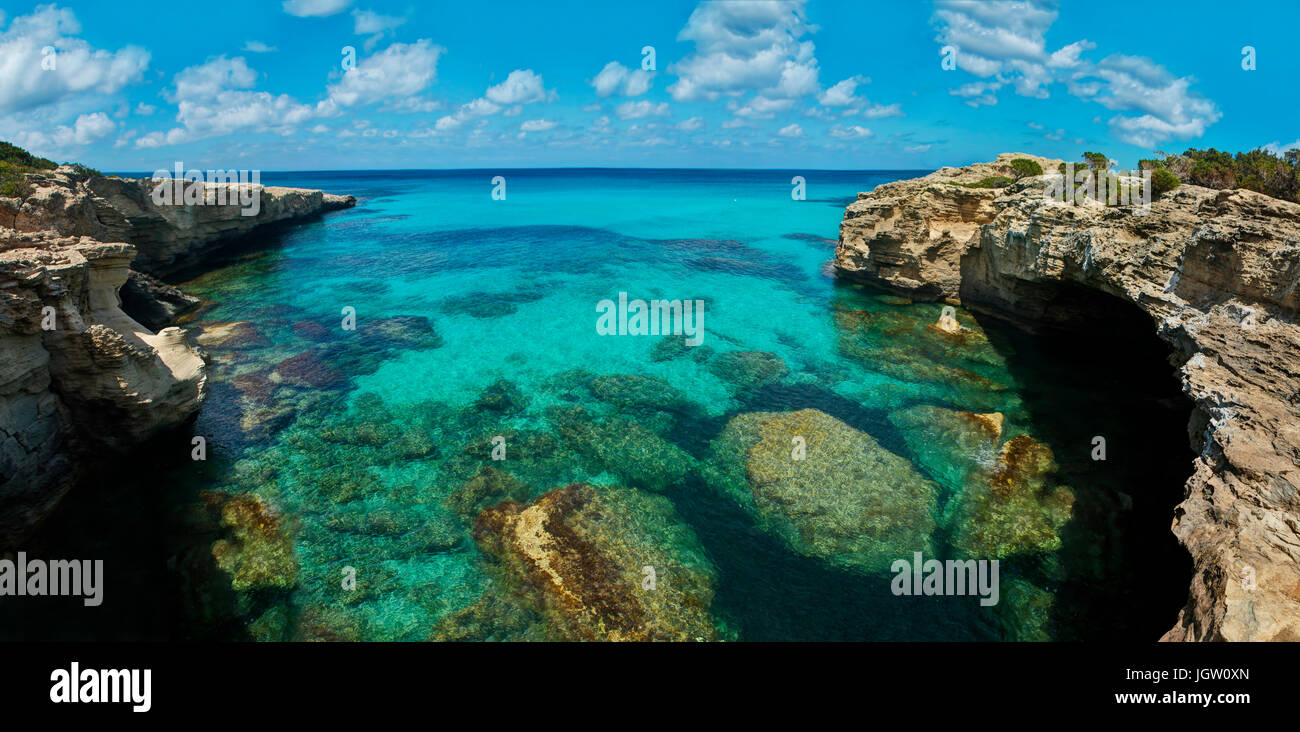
1162 180
15 162
1096 160
1024 168
1258 170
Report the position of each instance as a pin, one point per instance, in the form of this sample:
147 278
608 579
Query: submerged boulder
605 563
259 552
747 369
1015 507
1005 501
623 448
828 490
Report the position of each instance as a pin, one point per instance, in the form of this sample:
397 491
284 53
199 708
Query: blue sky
772 83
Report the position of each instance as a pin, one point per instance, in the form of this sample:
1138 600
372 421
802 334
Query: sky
813 84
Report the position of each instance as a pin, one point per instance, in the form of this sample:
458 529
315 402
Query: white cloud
643 108
522 86
916 148
880 111
144 110
1003 41
742 47
80 71
841 95
370 23
760 107
791 130
537 125
86 129
850 132
258 47
400 71
214 99
315 8
616 78
690 125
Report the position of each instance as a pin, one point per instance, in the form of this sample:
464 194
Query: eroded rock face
167 237
1218 272
75 370
580 554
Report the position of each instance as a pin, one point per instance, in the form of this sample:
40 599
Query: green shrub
1096 160
23 159
1162 180
1258 170
1024 168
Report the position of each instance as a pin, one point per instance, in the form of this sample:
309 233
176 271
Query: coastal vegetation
15 163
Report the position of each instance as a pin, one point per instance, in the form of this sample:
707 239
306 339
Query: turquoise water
475 318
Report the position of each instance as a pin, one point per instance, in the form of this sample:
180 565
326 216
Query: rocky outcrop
1217 271
76 371
168 238
603 564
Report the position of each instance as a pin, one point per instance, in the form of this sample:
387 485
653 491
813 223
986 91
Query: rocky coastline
89 362
1218 274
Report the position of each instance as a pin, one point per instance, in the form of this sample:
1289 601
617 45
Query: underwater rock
1017 508
497 615
489 487
308 370
311 330
502 396
1004 503
234 335
951 445
584 556
623 447
845 500
401 333
746 369
633 391
259 552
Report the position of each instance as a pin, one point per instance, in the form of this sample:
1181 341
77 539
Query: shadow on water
1108 375
159 579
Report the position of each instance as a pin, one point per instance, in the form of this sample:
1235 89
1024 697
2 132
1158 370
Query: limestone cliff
76 372
1218 272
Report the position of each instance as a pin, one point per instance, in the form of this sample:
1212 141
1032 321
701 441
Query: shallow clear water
356 439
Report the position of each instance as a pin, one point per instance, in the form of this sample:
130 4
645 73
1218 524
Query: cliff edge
76 371
1218 272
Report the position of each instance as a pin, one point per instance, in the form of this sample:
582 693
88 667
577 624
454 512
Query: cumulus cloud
616 78
1003 42
521 87
370 23
215 98
791 130
690 125
258 47
643 108
850 132
400 71
315 8
86 129
79 70
743 47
